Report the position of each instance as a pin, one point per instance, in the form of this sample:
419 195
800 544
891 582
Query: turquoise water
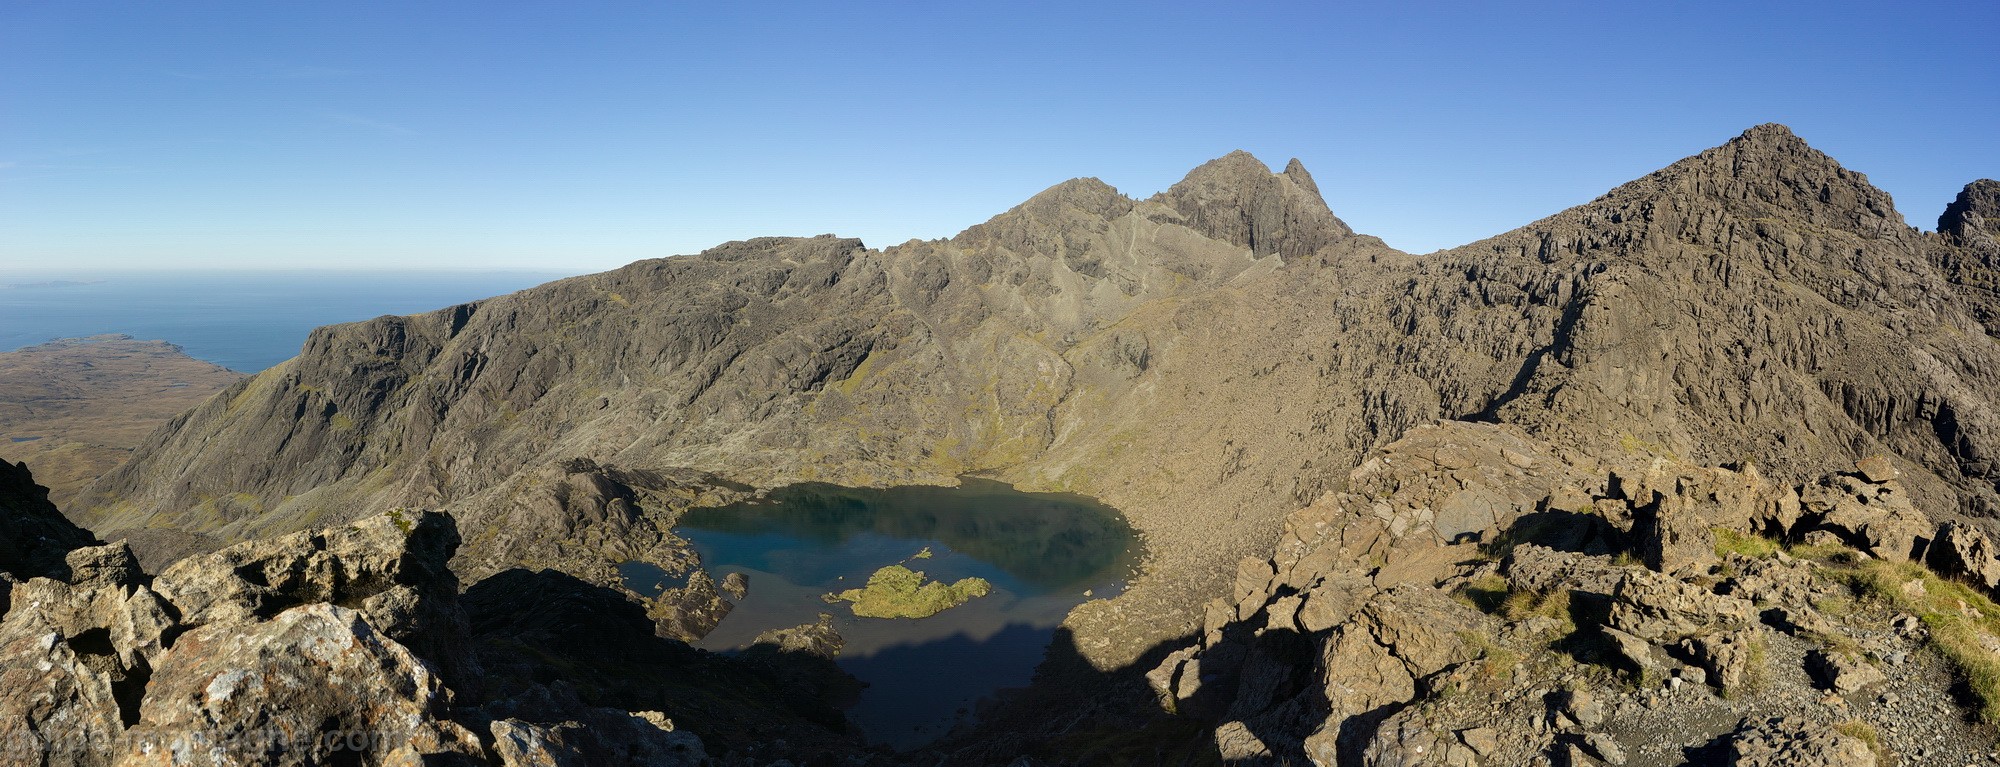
241 321
1042 552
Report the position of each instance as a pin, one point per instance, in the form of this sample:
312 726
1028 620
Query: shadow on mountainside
538 630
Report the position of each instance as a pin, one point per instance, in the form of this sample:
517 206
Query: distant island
48 284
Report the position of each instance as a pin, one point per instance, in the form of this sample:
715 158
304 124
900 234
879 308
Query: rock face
1551 628
1205 360
34 536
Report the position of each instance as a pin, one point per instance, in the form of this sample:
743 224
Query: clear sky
579 136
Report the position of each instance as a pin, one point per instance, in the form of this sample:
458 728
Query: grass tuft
1729 542
1963 622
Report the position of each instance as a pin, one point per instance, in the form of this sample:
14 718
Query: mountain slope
1206 360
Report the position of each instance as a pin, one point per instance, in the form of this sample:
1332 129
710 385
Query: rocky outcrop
393 569
1797 742
352 645
1370 638
309 684
604 736
34 536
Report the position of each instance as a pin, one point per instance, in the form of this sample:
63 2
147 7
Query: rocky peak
1053 219
1976 211
1769 172
1236 198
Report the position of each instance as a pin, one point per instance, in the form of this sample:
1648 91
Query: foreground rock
352 645
309 685
1387 632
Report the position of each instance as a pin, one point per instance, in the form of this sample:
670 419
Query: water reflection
1042 552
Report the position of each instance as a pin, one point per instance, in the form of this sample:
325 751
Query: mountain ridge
1206 359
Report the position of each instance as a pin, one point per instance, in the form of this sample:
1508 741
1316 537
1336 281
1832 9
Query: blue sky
580 136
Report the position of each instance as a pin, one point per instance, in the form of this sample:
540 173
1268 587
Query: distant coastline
47 284
243 321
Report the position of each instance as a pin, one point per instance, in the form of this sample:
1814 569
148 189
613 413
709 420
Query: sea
244 321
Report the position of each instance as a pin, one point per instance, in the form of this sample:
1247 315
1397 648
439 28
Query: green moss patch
899 592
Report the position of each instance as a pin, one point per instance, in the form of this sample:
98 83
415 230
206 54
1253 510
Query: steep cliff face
34 536
1756 302
1206 360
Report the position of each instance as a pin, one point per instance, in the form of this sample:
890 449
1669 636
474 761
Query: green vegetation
1729 542
1962 621
899 592
1492 595
1864 732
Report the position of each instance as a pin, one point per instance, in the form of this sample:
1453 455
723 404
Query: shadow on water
920 691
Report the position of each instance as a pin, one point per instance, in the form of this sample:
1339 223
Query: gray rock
736 585
309 685
1843 672
1728 658
1656 607
818 639
1796 743
1966 550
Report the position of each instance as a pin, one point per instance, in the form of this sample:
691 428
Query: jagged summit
1769 133
1977 208
1052 217
1769 172
1236 198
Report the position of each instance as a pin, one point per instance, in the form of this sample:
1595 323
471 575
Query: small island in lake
899 592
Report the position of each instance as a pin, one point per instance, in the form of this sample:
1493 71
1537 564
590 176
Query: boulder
736 585
1671 535
1728 658
1794 742
1843 672
312 685
394 568
1962 549
1878 518
1654 607
1580 705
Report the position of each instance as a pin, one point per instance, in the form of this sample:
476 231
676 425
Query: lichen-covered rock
1655 607
61 705
1793 742
311 685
